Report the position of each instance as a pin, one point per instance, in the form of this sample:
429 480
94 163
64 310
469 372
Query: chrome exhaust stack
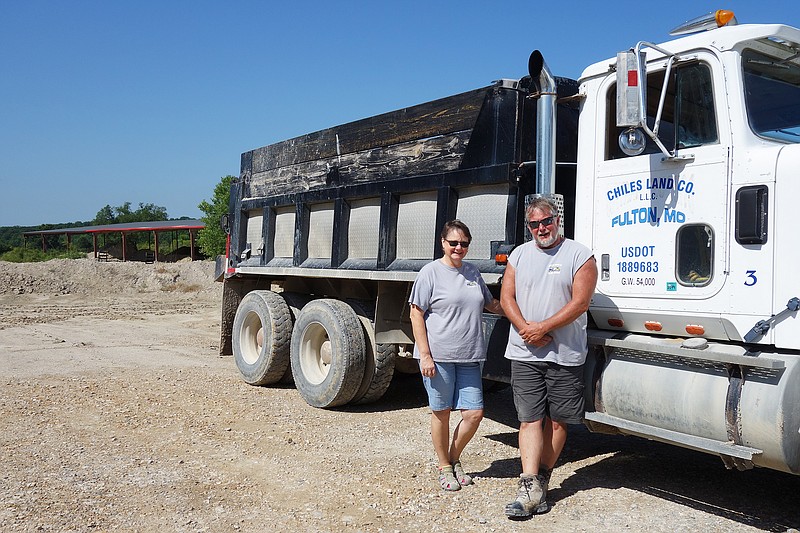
545 124
545 136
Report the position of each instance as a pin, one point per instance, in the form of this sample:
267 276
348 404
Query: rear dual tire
328 351
326 347
379 361
262 330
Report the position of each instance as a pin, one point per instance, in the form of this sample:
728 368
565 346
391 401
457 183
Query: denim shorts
455 386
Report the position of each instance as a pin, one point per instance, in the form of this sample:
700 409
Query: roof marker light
711 21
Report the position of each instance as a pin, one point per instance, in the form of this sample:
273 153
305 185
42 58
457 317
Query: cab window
694 255
688 119
772 92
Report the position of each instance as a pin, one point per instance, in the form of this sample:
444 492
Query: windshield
772 90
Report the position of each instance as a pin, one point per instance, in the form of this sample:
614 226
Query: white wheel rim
315 353
252 338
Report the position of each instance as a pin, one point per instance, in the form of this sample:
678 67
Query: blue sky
106 102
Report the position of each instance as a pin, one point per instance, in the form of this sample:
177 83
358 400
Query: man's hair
541 203
457 225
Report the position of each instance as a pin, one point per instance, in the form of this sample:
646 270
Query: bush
33 255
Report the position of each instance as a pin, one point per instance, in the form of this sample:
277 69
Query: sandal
462 477
447 480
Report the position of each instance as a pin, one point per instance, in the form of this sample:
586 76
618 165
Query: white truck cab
687 160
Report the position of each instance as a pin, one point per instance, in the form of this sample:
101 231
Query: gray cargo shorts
543 388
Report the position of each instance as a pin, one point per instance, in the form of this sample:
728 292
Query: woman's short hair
456 225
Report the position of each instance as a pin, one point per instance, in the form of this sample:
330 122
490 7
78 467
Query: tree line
210 240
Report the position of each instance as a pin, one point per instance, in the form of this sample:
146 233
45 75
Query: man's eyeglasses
464 244
534 224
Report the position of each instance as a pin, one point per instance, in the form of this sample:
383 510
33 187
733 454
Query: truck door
786 239
661 224
764 254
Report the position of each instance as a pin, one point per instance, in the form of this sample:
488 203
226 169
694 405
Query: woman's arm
426 365
495 307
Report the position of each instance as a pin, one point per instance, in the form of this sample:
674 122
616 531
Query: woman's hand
426 366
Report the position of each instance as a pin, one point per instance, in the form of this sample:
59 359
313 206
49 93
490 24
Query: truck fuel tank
716 398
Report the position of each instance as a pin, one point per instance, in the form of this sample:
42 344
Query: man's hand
533 333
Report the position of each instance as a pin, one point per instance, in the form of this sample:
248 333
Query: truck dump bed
372 194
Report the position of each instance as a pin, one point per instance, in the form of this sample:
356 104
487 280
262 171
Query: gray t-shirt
543 282
453 300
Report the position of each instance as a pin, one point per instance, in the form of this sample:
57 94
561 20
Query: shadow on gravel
759 498
405 392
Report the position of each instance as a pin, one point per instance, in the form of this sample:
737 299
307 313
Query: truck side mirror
631 94
225 224
631 90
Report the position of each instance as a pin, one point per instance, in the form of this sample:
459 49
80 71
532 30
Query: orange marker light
695 330
723 16
615 322
652 326
711 21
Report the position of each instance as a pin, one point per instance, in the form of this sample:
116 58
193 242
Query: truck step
723 448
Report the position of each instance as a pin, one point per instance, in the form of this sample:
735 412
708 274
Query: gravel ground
116 413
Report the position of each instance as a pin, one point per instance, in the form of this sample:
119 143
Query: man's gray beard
546 243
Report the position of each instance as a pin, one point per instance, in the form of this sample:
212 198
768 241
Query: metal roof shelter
191 225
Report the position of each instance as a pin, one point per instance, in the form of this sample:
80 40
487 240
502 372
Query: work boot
530 497
544 480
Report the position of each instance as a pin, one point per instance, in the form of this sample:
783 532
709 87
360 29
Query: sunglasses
533 224
464 244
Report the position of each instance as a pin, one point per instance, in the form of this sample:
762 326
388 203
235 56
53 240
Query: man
547 287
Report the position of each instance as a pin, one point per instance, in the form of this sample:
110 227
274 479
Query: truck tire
295 301
328 352
379 361
262 330
406 365
382 374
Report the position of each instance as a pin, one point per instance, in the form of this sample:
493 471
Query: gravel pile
87 276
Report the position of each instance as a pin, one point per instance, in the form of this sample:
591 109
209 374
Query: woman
447 302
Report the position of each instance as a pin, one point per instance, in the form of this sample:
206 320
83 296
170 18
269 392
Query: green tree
11 237
211 239
105 216
123 214
145 213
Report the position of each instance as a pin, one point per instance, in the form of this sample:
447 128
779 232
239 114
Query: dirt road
116 413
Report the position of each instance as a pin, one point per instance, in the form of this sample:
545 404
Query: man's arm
508 298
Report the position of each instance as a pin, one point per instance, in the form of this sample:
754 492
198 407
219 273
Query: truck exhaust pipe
545 124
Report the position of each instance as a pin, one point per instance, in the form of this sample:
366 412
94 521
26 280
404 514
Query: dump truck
673 162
